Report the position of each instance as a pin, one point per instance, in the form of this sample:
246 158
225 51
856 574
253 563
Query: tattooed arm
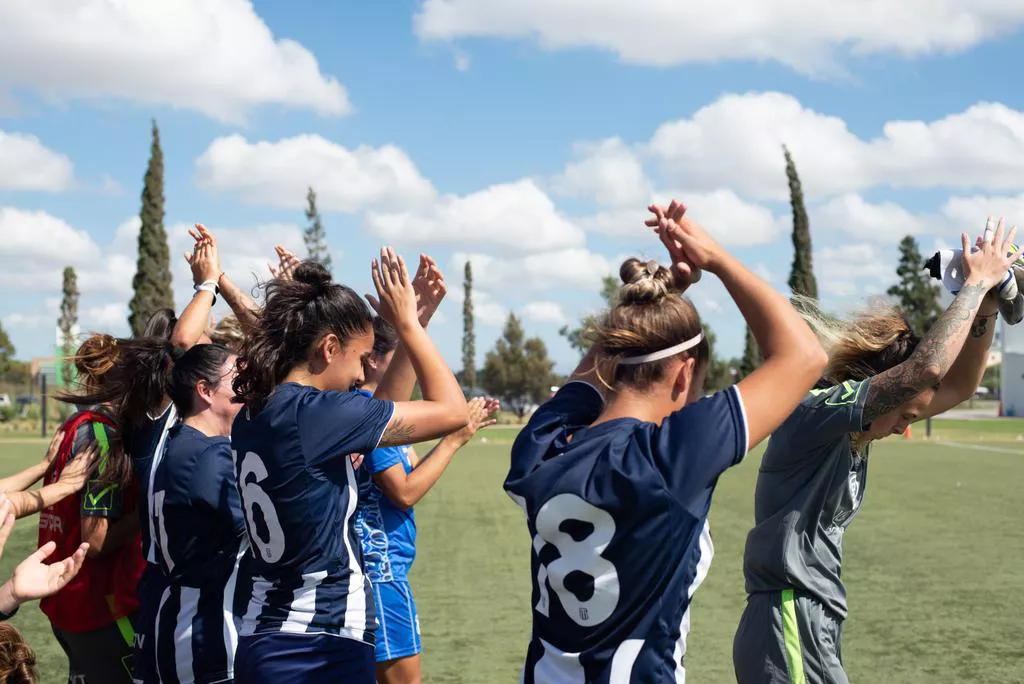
944 343
967 371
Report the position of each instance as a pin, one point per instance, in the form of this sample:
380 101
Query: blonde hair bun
645 282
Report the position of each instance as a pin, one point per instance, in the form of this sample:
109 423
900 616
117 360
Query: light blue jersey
387 533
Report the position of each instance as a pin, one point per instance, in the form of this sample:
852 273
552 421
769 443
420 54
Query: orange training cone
907 433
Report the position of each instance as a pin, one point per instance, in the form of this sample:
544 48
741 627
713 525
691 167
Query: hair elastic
663 354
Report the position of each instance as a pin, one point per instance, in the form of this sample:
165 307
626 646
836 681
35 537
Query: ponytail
136 384
297 314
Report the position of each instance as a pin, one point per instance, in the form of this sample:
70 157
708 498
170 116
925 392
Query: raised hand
430 289
6 521
691 246
286 263
205 257
396 297
988 263
33 579
685 273
481 415
76 472
54 448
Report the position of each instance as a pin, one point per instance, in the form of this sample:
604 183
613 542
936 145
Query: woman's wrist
8 601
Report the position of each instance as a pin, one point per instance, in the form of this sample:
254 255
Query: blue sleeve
576 405
214 484
379 460
337 424
699 442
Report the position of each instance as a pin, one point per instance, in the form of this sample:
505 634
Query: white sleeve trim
385 428
746 426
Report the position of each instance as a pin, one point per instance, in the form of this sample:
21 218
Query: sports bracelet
211 287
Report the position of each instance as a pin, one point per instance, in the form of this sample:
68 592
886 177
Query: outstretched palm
34 579
430 288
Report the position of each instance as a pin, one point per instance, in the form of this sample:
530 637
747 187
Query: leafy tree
801 276
67 323
468 377
314 236
152 281
6 352
916 293
518 370
751 356
720 371
577 337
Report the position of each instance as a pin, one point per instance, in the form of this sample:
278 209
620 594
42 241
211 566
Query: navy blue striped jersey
200 545
145 445
299 492
618 516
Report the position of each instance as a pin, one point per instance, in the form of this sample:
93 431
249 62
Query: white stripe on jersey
228 606
746 425
707 552
260 587
303 606
172 416
556 667
355 602
183 657
622 662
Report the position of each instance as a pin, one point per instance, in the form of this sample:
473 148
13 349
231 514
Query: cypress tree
468 334
152 281
315 237
67 323
801 276
751 356
916 292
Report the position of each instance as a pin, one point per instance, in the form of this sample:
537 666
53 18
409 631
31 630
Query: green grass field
933 565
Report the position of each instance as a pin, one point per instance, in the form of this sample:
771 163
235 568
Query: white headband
663 354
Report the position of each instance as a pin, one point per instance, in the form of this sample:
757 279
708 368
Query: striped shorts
398 633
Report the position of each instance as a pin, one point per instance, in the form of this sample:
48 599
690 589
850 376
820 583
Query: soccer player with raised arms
880 378
616 482
311 616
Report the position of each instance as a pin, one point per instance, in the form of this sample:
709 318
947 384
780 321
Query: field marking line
983 447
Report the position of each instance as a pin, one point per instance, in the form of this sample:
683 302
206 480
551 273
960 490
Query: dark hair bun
312 273
644 282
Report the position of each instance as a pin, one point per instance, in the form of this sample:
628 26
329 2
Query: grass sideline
932 564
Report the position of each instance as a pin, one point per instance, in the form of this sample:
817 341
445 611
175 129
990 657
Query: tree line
517 369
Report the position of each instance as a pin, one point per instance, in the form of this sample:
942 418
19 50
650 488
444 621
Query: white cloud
808 35
730 219
854 267
217 57
543 312
279 173
885 222
608 172
516 216
576 268
736 142
486 310
41 245
28 164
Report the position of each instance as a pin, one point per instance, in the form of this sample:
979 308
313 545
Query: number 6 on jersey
253 497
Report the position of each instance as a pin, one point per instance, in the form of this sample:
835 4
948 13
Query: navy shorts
284 658
398 626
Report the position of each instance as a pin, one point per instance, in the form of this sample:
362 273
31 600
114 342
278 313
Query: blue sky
527 137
